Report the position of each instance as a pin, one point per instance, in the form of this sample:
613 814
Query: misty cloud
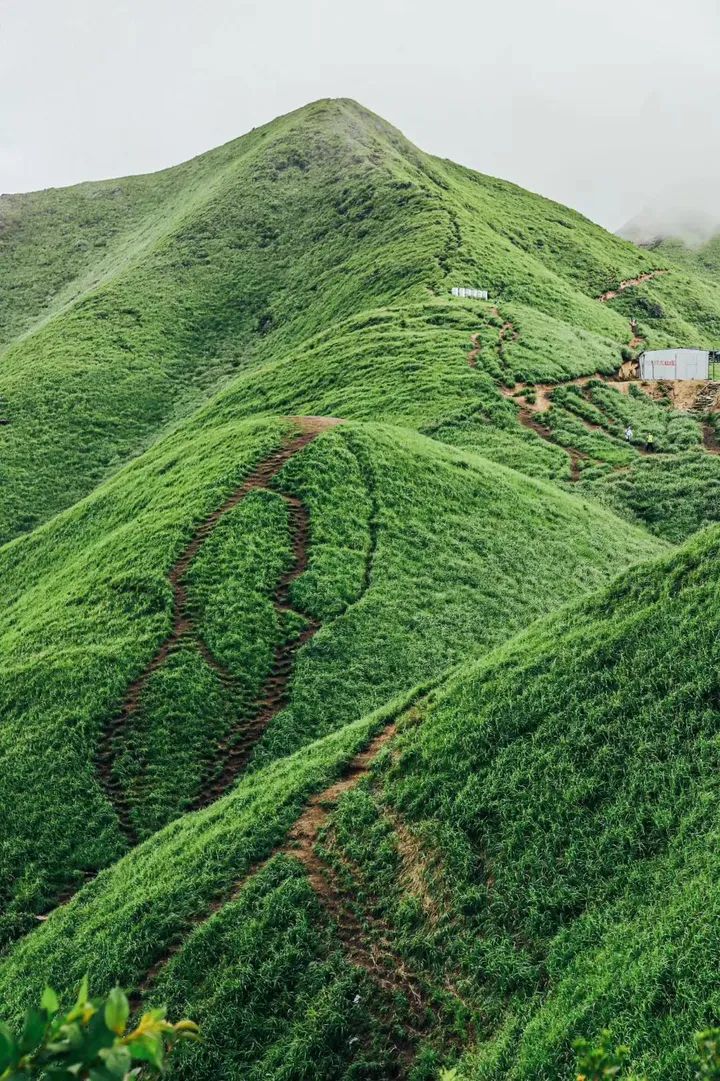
602 108
688 211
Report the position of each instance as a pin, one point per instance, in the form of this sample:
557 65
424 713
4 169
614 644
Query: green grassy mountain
358 691
324 238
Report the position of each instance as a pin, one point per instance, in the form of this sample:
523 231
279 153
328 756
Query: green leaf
33 1030
49 1001
148 1049
8 1048
73 1034
118 1060
117 1011
82 996
97 1037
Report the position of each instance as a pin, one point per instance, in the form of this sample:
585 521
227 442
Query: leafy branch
90 1041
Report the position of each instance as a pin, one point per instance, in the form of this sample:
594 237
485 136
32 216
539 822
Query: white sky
602 106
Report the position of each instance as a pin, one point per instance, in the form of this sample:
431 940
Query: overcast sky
602 106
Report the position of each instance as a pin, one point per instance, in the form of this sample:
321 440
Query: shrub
595 1062
91 1040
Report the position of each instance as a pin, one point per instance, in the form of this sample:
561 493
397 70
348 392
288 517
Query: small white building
675 364
474 294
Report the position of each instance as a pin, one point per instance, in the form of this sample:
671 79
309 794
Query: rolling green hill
357 698
127 302
534 855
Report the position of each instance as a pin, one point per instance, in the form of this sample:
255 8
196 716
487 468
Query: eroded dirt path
235 750
640 280
472 357
542 391
300 844
374 954
365 939
576 456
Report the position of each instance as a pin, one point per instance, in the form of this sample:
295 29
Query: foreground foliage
91 1041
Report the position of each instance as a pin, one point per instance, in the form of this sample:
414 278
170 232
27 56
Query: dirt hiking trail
234 751
612 293
365 940
300 843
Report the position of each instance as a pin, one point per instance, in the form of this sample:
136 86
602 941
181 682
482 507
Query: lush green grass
86 603
540 854
286 1003
169 749
420 555
648 493
563 793
459 554
570 785
123 921
126 303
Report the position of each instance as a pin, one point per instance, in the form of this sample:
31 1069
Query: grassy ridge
570 784
87 603
136 299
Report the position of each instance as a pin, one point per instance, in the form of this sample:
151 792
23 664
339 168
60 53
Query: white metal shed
675 364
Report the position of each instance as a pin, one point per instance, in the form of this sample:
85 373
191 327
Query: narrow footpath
575 456
366 941
235 750
612 293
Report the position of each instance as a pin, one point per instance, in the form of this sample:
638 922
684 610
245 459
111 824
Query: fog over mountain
690 212
597 110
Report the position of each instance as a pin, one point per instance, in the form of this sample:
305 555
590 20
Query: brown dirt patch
234 752
640 280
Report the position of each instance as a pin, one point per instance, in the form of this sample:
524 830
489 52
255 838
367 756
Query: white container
675 364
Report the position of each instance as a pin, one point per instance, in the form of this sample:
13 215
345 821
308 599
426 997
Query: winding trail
300 844
542 391
505 331
575 456
235 750
640 280
365 940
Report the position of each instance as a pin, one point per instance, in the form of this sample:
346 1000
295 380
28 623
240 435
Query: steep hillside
531 859
418 556
338 711
126 303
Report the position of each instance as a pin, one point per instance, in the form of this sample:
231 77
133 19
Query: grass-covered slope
571 784
419 555
534 855
125 303
289 692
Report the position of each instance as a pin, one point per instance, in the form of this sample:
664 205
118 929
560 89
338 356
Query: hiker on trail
629 434
650 442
